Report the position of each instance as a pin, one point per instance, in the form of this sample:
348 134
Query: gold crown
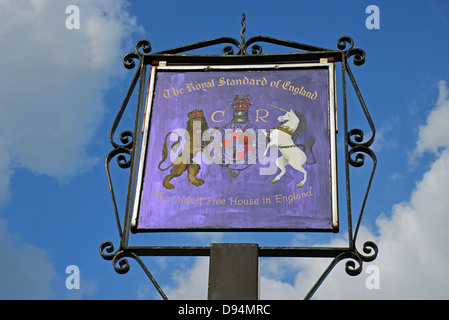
242 103
195 114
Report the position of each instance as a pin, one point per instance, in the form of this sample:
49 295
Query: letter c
264 309
212 117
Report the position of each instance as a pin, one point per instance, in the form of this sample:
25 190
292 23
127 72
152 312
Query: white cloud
53 82
25 270
52 87
413 258
434 134
191 283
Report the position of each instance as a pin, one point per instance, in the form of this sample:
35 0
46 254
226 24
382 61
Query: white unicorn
281 137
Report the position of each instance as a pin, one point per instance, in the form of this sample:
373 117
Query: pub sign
238 148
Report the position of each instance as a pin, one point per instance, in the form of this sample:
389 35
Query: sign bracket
126 152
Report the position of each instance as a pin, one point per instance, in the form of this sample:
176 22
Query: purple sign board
238 148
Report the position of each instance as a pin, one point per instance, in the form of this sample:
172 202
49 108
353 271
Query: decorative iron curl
358 137
117 257
354 266
128 59
371 250
121 153
342 41
359 54
126 138
228 51
121 264
256 49
359 152
359 157
109 248
123 163
145 45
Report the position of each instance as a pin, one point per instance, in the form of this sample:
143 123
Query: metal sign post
233 271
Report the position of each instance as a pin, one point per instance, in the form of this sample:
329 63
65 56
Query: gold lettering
212 117
167 93
261 118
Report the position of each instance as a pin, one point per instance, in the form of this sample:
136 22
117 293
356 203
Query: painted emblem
292 124
239 138
196 125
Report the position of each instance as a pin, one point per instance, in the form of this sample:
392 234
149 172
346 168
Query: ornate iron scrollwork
356 146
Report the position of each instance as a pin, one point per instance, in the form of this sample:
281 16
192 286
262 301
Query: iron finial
243 28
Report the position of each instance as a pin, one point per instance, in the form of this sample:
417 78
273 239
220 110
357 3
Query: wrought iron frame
127 151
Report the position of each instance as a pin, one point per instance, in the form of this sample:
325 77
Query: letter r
259 117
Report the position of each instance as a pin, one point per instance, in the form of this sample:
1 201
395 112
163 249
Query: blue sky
61 89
